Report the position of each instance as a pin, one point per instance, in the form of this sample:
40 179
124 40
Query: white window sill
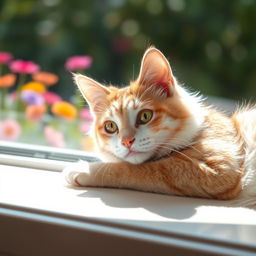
40 216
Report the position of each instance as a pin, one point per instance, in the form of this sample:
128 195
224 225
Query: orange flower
35 112
34 86
46 78
7 80
64 109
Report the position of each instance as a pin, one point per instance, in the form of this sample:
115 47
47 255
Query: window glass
42 42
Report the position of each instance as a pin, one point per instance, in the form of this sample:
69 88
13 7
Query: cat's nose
127 141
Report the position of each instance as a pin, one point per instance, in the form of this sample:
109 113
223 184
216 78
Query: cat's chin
133 158
137 157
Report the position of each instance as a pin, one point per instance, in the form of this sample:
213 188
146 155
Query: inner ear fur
94 93
155 71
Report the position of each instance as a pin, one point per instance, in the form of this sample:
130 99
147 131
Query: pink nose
128 141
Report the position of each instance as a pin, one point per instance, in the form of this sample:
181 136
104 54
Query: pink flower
25 67
86 114
51 97
5 57
78 62
54 137
9 130
85 127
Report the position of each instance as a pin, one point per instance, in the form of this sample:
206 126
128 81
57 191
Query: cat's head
145 120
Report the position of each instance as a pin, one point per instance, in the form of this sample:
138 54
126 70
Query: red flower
25 67
122 44
78 62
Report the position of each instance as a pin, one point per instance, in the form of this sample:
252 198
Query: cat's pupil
112 127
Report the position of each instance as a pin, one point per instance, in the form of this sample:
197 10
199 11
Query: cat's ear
155 72
94 93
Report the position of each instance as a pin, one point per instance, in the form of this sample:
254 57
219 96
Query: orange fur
199 171
204 153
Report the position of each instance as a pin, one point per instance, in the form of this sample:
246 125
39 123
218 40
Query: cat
155 136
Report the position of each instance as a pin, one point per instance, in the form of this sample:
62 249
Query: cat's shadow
171 207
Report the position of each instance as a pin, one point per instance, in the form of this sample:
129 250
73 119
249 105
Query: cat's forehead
125 104
123 101
127 101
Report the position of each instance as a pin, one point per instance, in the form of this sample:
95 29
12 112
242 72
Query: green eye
144 116
110 127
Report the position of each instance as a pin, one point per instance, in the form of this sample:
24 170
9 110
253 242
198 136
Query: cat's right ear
155 72
94 93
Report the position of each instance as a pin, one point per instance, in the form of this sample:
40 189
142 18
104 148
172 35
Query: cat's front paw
78 174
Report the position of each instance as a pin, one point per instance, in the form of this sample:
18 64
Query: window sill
40 216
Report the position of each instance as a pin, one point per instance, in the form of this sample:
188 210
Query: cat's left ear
94 93
155 72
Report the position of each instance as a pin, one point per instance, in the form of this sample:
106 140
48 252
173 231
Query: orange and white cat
154 135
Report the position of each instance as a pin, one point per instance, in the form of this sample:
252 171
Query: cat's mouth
133 153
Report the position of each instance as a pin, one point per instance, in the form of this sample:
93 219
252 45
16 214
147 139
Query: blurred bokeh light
211 44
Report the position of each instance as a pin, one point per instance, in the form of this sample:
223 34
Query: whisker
173 150
168 146
173 140
183 154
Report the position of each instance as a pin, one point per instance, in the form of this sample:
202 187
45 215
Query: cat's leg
173 175
120 175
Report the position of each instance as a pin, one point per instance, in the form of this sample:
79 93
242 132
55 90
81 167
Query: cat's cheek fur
115 146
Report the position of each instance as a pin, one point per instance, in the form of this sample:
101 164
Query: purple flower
32 98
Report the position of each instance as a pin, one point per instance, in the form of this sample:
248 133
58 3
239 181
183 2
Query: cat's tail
245 120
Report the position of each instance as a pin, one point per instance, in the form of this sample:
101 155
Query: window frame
29 230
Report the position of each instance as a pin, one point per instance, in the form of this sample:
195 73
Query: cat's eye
144 116
110 127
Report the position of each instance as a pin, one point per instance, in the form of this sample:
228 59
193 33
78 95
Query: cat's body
155 136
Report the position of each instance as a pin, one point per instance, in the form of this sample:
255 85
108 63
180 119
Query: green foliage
211 44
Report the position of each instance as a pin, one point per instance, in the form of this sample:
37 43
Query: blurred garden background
211 44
